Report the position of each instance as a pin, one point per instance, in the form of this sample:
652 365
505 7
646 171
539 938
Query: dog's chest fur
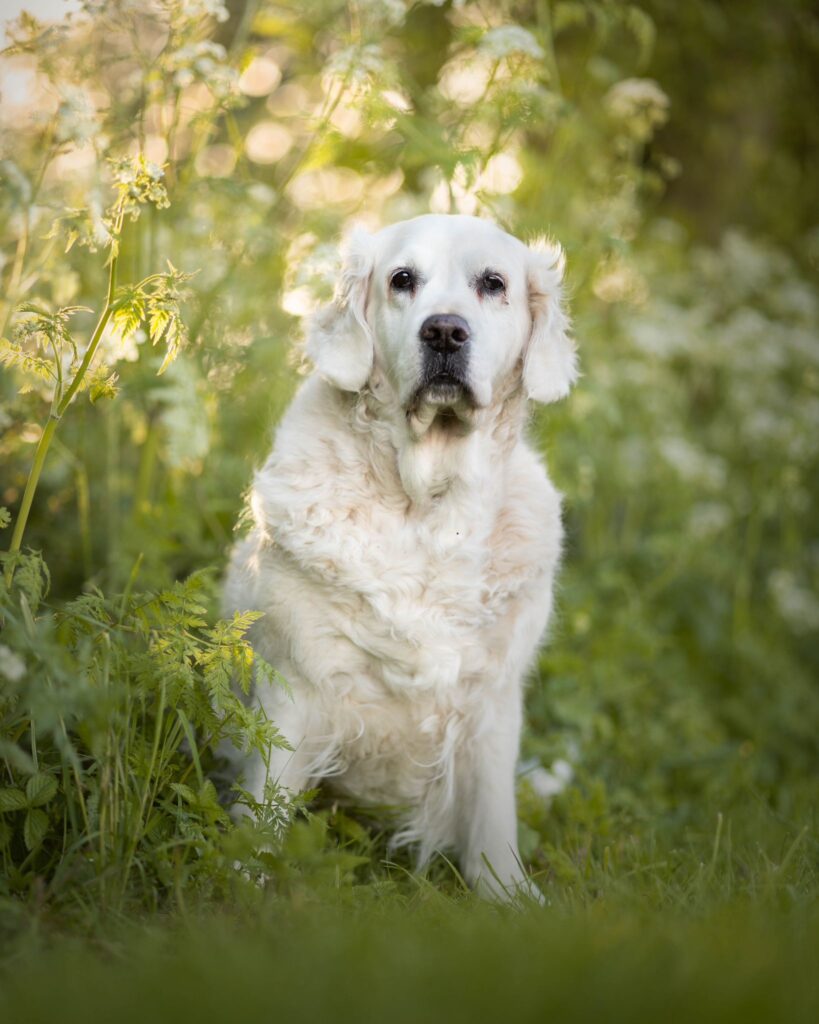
394 614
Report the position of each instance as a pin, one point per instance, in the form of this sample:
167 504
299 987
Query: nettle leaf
6 832
5 517
35 828
12 799
40 789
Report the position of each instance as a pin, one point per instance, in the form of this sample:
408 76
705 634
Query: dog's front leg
487 816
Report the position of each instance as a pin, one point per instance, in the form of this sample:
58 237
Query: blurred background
671 148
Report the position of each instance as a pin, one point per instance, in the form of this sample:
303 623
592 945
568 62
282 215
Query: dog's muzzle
445 360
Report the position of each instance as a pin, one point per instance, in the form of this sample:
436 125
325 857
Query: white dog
406 536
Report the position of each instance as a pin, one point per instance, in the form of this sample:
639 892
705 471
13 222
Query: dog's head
445 309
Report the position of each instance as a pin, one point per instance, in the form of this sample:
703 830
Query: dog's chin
443 403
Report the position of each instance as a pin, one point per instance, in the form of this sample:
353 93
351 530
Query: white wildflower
12 665
114 348
215 9
548 782
749 265
357 66
796 298
693 464
508 39
390 11
615 280
749 335
668 329
708 518
639 103
316 270
803 344
205 62
76 116
798 605
763 425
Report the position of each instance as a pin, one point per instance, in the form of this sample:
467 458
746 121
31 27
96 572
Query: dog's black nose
444 332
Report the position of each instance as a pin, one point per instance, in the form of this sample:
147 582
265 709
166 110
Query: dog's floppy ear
550 360
339 339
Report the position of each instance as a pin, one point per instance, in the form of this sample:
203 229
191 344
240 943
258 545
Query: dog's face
446 308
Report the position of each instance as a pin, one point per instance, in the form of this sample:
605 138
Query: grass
709 930
434 961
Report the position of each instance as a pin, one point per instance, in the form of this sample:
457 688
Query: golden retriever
406 536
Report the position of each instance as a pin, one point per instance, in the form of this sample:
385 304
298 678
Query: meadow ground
433 961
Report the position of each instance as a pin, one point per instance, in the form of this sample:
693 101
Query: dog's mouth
444 399
444 379
442 388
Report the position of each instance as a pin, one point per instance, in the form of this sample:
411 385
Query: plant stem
544 20
57 413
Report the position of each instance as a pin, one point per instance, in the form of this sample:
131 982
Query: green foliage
155 302
122 705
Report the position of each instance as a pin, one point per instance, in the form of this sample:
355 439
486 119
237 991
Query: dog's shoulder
313 450
528 533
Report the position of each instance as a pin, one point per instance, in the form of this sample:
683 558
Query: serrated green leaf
40 788
158 323
102 385
184 791
34 828
6 832
12 799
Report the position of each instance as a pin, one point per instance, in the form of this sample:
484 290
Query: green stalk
544 20
59 409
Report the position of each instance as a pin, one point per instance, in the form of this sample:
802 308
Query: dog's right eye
402 281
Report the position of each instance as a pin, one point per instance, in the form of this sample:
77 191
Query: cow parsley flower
640 104
12 665
797 605
357 66
502 42
76 116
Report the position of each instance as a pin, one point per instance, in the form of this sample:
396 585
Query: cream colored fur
404 549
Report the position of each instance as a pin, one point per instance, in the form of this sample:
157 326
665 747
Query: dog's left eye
402 281
491 283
